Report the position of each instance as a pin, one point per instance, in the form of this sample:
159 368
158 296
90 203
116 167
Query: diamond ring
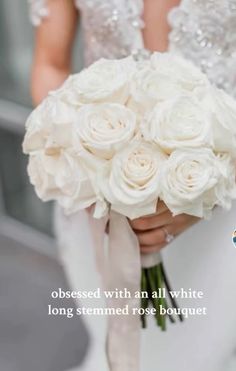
168 236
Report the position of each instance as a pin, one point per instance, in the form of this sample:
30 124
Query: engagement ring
168 236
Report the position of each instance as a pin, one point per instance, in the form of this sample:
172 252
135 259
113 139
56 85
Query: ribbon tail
124 275
98 228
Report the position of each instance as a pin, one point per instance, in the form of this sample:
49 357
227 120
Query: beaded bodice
205 32
202 30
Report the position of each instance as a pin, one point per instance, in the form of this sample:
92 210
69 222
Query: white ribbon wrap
150 260
120 268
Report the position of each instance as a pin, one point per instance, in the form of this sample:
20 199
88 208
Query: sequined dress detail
202 30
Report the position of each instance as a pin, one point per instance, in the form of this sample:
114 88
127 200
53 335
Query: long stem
161 300
152 288
173 301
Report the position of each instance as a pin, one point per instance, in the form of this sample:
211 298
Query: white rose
148 88
131 183
55 167
51 125
189 181
60 176
105 128
165 77
223 109
180 122
181 71
104 81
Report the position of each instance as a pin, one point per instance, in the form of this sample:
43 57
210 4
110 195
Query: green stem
152 283
162 301
167 284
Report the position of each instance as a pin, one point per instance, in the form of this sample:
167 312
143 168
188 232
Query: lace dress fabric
202 30
112 28
205 32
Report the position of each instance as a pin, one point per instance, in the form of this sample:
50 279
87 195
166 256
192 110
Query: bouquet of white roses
123 134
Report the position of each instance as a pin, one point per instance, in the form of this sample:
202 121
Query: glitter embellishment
38 10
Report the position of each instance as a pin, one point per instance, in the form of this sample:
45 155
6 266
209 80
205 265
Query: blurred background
29 268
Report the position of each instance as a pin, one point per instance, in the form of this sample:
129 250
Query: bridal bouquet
123 134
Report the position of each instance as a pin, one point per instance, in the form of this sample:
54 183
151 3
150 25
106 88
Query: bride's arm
53 47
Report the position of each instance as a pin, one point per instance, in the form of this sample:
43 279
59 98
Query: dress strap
38 10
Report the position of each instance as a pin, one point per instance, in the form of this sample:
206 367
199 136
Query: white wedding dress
203 258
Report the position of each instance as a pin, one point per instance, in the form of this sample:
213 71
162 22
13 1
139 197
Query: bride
202 257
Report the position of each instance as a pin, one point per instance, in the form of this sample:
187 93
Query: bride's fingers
144 224
159 236
153 237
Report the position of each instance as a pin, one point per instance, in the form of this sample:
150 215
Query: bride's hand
155 231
